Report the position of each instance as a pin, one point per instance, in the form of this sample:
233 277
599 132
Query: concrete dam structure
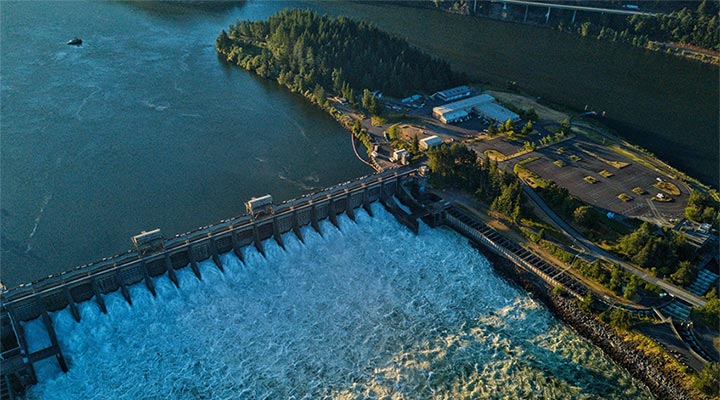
154 256
400 191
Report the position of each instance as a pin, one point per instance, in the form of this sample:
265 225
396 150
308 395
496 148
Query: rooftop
431 140
463 104
453 91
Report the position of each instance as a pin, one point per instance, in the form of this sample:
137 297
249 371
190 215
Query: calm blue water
367 311
141 127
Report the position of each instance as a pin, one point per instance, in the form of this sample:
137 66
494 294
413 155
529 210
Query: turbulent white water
368 311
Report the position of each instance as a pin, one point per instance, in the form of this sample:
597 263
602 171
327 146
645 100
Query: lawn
668 187
624 197
639 191
612 163
494 154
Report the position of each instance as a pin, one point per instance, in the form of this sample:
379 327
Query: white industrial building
400 156
496 113
453 116
484 105
430 142
259 205
456 111
453 94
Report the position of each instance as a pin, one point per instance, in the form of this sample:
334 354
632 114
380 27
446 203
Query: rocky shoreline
657 373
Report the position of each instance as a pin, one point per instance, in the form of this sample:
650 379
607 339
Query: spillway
366 310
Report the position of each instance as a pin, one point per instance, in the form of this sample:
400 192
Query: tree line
459 167
695 26
702 208
664 251
686 22
318 54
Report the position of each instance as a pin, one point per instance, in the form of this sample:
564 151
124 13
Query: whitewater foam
366 311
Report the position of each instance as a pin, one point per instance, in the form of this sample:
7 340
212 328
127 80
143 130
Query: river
141 127
144 127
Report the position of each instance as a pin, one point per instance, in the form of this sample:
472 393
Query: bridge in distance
575 7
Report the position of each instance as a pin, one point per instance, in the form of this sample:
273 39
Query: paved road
598 252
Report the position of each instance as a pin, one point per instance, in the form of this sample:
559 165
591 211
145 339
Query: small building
148 242
259 205
411 99
483 105
430 142
453 94
401 156
453 116
704 228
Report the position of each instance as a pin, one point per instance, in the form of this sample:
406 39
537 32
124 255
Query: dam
154 256
327 295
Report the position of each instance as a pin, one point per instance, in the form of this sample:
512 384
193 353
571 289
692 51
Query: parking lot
604 192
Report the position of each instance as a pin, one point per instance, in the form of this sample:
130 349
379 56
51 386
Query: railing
456 222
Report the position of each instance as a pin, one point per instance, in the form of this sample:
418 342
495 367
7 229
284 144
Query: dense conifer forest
308 52
686 23
457 166
694 26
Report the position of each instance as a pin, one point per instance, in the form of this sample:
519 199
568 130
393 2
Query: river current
369 310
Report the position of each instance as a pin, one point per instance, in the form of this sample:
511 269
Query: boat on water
75 42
